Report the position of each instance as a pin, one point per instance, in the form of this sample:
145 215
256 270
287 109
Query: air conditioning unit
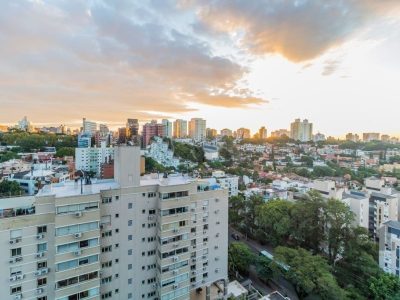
204 232
13 241
217 211
204 207
193 272
175 272
215 247
12 261
217 259
193 285
216 199
204 257
39 254
78 235
216 270
101 226
78 214
204 268
175 230
20 276
175 286
78 252
13 278
192 209
193 260
18 297
175 258
203 281
39 291
176 245
19 258
40 236
38 272
154 286
45 270
217 235
204 219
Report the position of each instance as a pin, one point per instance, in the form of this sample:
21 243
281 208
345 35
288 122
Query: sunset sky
236 63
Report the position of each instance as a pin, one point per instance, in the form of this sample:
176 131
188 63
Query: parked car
235 236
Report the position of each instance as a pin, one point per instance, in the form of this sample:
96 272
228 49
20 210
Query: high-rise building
389 245
280 133
243 133
319 137
352 137
167 127
84 140
24 125
197 129
90 159
89 127
385 138
211 133
152 129
371 136
122 139
132 129
262 133
151 237
180 128
226 132
301 130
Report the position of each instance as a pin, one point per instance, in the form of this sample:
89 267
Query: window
42 247
130 281
106 233
16 289
117 230
42 229
106 200
71 229
41 282
77 262
143 211
42 298
117 215
129 222
130 252
72 208
106 249
129 266
116 245
130 205
151 195
16 234
107 295
130 237
152 211
106 279
106 264
116 197
16 252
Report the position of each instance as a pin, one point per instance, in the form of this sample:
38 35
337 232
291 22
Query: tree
309 221
65 151
237 207
263 268
339 220
239 257
385 286
252 205
274 218
10 188
309 273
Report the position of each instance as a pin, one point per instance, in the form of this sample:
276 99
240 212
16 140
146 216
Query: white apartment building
229 182
89 127
359 205
301 130
160 152
327 189
128 238
197 129
90 159
389 247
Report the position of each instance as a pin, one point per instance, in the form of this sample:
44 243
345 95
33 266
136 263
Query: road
281 284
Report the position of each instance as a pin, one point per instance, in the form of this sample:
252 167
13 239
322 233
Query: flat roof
393 224
16 202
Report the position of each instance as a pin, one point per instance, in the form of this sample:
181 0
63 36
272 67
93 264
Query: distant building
150 130
161 153
3 128
229 182
197 129
107 169
262 133
90 159
385 138
389 247
84 140
226 132
301 130
89 127
280 133
371 136
25 125
122 138
167 127
319 137
243 133
352 137
211 133
180 128
132 130
210 152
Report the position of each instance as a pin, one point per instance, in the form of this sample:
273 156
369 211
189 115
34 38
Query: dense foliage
189 152
10 188
328 257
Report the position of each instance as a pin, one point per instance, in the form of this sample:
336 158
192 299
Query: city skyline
184 59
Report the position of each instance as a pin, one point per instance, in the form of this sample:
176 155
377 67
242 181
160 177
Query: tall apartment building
89 127
211 133
226 132
352 137
301 130
262 133
84 140
150 130
371 136
280 133
389 247
180 128
167 127
132 129
197 129
128 238
243 133
90 159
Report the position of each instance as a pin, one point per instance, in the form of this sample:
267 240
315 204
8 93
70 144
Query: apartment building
197 129
128 238
389 247
180 128
90 159
301 130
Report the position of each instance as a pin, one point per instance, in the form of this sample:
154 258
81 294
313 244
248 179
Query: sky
236 63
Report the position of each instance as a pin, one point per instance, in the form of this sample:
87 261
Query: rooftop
393 224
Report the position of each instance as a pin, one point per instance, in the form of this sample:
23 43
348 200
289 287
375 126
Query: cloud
108 60
330 67
300 30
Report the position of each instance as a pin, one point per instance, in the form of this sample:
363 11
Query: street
281 284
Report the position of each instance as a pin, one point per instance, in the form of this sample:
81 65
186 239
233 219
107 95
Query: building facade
197 129
301 130
89 127
91 159
167 127
389 247
180 128
128 238
150 130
